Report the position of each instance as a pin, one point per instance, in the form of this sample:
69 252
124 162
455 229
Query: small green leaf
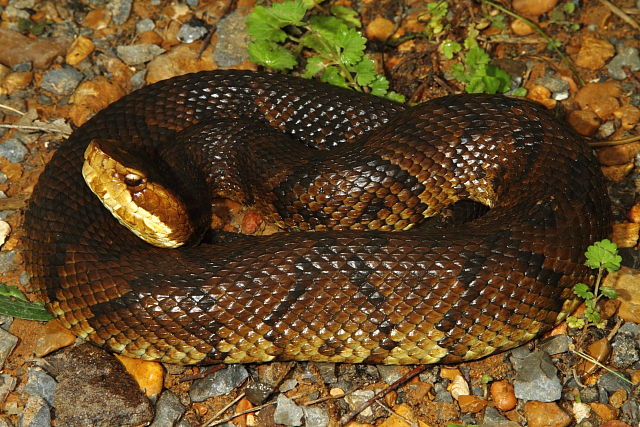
332 76
608 292
261 27
14 303
288 12
592 315
315 64
603 254
271 55
519 92
348 15
569 7
575 323
395 96
365 71
379 86
449 47
582 290
353 45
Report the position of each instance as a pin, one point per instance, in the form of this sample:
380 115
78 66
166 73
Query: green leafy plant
333 47
560 16
27 26
603 256
475 70
436 11
14 303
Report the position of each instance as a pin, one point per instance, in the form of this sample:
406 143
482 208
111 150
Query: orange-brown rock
542 95
634 213
594 52
472 404
92 96
97 19
545 414
533 7
604 411
584 122
617 173
503 395
598 350
54 338
625 282
625 234
79 50
618 154
179 60
16 48
521 28
380 29
148 375
601 98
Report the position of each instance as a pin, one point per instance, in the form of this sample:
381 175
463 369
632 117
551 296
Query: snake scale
352 167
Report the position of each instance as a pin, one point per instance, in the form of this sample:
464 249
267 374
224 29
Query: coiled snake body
429 293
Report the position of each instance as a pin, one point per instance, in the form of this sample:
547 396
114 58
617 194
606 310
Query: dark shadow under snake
423 295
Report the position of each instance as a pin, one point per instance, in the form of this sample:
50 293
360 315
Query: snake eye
133 180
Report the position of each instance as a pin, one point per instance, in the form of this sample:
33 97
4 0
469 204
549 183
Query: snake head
137 196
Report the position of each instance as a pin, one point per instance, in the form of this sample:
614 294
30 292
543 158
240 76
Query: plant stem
550 41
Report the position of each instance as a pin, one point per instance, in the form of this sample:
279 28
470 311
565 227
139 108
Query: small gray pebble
287 385
287 412
62 81
231 46
36 413
39 383
138 53
589 394
556 344
120 10
327 372
626 346
536 378
137 80
3 178
13 150
257 392
169 409
145 25
627 57
23 4
23 66
5 323
611 383
606 129
192 31
192 3
631 410
558 87
24 278
390 373
218 383
6 260
316 416
7 385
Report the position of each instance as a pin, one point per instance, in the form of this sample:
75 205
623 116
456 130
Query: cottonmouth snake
438 292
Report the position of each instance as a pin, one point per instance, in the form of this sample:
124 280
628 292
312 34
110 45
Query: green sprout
334 49
603 256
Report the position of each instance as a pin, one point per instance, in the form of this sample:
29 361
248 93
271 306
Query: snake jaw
147 208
